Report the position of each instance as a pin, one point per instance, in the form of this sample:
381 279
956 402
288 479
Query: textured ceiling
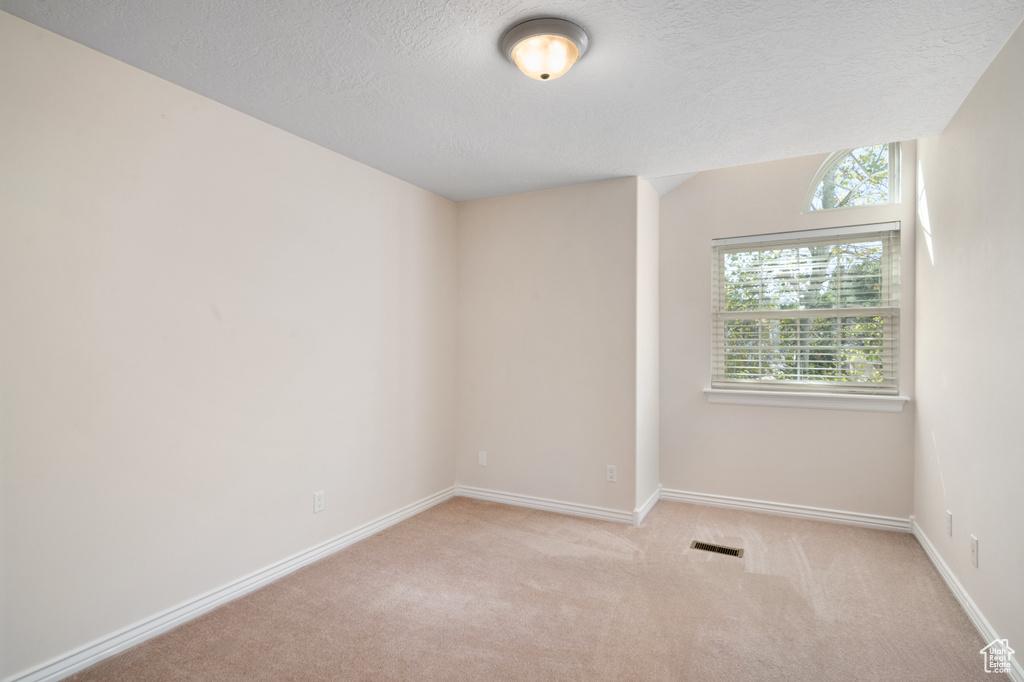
419 89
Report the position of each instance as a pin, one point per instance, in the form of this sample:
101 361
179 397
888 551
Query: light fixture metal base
543 27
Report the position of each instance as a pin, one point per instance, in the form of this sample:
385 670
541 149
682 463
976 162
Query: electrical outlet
612 476
949 523
974 550
482 457
318 502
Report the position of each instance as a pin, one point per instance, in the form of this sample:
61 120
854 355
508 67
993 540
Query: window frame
895 184
810 394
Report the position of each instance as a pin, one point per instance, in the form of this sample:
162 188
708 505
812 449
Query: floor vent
719 549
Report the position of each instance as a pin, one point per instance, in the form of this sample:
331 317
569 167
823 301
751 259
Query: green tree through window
813 309
857 177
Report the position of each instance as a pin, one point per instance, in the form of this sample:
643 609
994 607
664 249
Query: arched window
866 176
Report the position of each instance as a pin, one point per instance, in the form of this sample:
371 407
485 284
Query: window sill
819 401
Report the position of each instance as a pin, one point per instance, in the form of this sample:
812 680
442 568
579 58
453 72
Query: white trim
819 401
799 511
570 508
148 628
641 512
805 235
981 624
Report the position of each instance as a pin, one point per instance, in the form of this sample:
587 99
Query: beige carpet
472 590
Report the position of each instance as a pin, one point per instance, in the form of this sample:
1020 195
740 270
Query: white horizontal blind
814 311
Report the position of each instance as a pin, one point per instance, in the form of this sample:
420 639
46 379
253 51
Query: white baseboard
137 633
570 508
795 510
641 512
981 623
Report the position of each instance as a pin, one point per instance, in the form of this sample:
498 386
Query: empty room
503 341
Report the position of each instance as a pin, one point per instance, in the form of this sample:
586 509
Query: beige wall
547 343
648 404
970 459
851 461
203 320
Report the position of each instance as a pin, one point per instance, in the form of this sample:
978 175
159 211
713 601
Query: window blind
816 310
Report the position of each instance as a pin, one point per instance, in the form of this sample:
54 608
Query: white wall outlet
949 523
612 476
482 457
318 502
974 550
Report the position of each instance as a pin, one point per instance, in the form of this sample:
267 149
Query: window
808 311
856 177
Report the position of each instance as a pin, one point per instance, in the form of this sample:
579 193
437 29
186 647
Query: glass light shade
545 57
544 49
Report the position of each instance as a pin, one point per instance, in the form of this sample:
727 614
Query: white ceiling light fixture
544 49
